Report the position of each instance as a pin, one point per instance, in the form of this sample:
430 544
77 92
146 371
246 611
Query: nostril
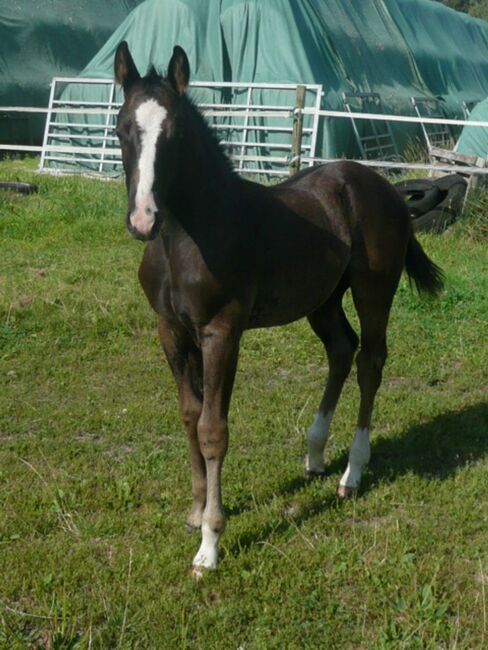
148 211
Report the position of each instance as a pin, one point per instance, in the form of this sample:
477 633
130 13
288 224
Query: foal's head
147 127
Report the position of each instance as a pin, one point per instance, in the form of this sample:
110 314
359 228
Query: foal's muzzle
143 233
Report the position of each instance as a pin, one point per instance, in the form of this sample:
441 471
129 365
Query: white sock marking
208 553
150 118
359 456
316 438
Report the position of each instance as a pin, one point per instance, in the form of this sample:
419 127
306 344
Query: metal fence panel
79 135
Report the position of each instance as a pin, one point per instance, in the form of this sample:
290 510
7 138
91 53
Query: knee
341 358
212 436
370 364
353 340
190 413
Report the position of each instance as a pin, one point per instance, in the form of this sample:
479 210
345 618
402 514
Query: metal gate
256 125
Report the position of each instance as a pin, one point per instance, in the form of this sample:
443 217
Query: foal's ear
179 70
125 69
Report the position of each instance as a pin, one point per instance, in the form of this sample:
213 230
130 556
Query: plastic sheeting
152 30
43 39
397 48
474 139
345 46
450 49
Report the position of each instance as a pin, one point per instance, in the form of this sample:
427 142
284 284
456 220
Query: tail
428 277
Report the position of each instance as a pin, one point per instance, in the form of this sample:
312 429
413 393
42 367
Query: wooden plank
457 158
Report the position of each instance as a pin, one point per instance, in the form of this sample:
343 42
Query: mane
153 76
209 137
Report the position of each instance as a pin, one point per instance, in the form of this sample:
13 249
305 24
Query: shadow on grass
434 450
261 532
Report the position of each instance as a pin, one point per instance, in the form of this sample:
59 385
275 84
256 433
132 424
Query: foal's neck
205 175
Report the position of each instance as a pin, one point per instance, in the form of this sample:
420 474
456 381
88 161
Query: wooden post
296 138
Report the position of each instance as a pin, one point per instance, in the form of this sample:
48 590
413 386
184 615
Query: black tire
454 183
434 221
453 190
420 195
434 205
19 188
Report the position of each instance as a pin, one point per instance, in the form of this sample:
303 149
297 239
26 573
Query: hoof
344 492
313 474
197 572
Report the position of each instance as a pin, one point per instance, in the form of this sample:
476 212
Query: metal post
245 129
45 139
315 125
107 126
296 138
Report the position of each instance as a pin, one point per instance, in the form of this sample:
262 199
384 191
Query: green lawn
94 470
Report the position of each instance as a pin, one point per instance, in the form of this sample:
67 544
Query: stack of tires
434 204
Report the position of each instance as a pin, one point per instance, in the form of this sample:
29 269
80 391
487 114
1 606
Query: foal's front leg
220 348
185 361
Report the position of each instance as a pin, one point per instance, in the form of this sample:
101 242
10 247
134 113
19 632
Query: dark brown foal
225 255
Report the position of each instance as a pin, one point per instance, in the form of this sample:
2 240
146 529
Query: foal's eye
122 132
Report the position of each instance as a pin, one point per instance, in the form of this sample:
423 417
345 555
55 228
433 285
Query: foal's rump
365 213
378 218
355 195
383 238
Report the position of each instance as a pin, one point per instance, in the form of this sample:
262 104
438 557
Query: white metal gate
254 124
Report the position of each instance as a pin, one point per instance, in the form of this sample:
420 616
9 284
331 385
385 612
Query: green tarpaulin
397 48
40 39
449 48
345 46
474 139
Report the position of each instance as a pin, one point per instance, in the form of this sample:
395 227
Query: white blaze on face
150 118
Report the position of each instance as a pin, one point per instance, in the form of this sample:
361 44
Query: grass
94 470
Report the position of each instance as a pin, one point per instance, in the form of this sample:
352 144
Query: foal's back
318 227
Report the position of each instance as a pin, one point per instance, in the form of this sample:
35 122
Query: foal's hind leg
373 296
185 361
331 325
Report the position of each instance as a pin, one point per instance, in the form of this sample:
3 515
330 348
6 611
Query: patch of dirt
374 522
91 438
25 301
404 382
7 438
39 273
481 579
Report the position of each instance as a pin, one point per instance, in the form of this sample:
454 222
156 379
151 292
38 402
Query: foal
225 255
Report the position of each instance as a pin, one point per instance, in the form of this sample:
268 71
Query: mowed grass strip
94 469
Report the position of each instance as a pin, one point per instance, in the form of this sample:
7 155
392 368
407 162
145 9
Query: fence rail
254 147
412 119
274 149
